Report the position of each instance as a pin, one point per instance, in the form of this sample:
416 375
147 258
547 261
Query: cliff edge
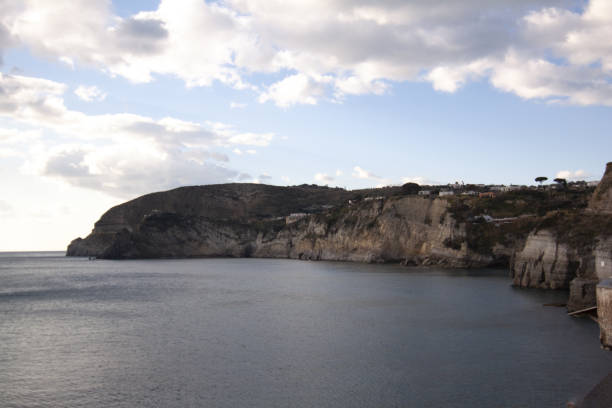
570 249
549 238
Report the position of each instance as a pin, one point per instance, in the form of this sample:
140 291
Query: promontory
552 237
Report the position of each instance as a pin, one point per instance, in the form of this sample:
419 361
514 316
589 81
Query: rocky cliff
231 205
549 239
570 249
410 229
601 201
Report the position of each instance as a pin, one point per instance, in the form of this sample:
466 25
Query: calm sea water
277 333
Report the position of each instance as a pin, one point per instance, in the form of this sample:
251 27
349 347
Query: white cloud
363 174
325 50
339 173
286 179
360 173
122 154
262 178
298 88
419 180
323 178
90 93
572 175
67 61
237 105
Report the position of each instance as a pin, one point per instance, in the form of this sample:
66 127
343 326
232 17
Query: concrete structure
291 218
374 198
446 193
604 312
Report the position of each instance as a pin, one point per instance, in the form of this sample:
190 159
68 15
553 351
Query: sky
103 101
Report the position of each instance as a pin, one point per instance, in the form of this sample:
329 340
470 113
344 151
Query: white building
291 218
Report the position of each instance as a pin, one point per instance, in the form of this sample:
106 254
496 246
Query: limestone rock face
604 312
408 229
233 204
601 201
546 263
543 263
243 220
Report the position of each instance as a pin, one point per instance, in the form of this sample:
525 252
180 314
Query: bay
283 333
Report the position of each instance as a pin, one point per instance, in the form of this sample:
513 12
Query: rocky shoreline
567 248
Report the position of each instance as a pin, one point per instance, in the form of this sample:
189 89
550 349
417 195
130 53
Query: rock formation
410 229
604 315
575 251
601 201
562 246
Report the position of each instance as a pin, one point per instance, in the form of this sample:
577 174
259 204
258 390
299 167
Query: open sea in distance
283 333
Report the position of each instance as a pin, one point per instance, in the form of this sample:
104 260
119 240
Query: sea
283 333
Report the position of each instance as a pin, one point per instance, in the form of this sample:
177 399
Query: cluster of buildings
477 190
491 190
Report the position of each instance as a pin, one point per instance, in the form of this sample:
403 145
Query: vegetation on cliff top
515 214
579 230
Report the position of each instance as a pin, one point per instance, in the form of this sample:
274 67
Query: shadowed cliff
549 238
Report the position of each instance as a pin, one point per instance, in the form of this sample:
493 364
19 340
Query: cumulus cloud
298 88
237 105
323 178
360 173
572 175
419 180
122 154
90 93
262 178
333 48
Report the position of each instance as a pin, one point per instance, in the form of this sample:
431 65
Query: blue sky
104 101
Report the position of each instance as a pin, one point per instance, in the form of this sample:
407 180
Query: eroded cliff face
575 254
566 248
601 201
412 230
198 207
547 263
544 263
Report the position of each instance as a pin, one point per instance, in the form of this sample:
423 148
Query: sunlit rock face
547 261
544 263
601 201
394 229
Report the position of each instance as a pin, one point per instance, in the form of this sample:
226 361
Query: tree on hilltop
410 188
561 181
541 179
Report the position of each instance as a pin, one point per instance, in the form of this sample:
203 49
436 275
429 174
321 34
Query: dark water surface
277 333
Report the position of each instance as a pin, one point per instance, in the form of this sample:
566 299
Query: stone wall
604 312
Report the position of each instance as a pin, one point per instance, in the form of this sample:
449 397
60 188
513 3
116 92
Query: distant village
491 190
449 190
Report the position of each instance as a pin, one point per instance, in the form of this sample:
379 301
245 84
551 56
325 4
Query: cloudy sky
102 101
